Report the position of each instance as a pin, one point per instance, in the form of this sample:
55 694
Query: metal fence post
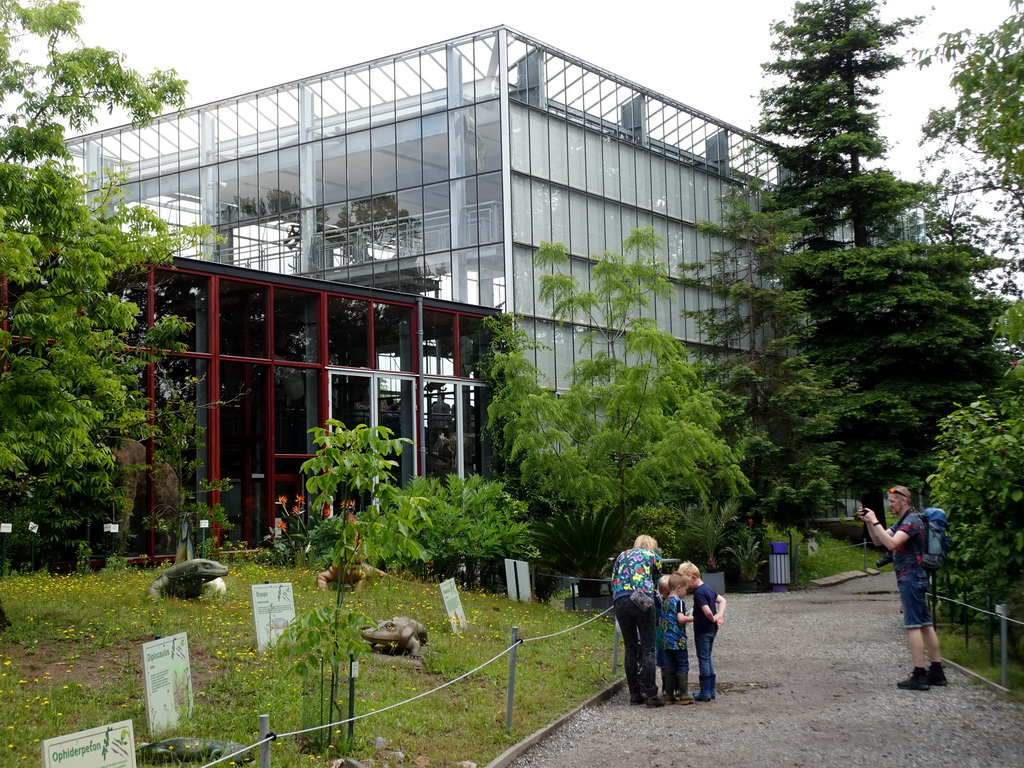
511 679
991 632
967 621
265 746
864 546
1001 610
353 670
615 647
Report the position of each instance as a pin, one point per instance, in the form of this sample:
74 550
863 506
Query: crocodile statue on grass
398 635
182 750
187 579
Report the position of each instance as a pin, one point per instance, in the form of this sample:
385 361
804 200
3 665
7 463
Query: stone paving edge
507 757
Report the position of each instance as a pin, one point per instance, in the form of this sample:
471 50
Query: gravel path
804 679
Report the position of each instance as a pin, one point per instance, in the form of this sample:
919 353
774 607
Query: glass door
378 400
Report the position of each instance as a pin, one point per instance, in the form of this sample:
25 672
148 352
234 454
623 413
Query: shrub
473 525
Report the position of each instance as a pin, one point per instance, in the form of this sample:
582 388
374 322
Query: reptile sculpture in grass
187 578
398 635
183 750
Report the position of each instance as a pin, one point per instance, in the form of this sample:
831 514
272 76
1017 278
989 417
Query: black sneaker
636 698
654 701
914 683
937 677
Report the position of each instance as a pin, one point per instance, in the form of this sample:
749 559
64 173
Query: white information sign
5 527
273 608
167 675
453 606
517 580
108 746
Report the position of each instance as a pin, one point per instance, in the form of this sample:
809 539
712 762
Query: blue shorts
914 595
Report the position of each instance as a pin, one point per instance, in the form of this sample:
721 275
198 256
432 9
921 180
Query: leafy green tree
979 138
980 480
70 353
752 336
352 473
899 324
635 422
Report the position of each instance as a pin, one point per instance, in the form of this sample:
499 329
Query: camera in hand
884 560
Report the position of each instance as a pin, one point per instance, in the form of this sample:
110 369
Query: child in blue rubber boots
672 646
708 616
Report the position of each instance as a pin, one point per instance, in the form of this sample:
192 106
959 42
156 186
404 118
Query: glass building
370 217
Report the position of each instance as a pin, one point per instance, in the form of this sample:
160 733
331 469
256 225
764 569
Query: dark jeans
677 661
638 639
704 642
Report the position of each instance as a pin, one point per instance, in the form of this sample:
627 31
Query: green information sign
273 609
453 606
108 746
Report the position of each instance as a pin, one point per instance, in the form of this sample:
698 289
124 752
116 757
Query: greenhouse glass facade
370 217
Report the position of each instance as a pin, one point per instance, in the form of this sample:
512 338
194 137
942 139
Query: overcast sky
707 55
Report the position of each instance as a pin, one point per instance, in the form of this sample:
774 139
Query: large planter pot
716 581
748 586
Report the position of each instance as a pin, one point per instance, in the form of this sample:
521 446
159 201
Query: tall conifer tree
897 321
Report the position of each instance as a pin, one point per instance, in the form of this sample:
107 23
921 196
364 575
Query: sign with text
517 580
167 675
108 746
273 608
453 606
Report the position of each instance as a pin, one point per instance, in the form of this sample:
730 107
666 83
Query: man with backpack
908 542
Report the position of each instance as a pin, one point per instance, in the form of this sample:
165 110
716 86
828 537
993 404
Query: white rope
401 703
570 629
979 610
262 741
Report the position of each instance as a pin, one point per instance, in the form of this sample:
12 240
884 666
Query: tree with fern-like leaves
633 423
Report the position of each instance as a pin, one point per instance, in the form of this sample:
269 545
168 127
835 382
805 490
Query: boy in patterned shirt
672 645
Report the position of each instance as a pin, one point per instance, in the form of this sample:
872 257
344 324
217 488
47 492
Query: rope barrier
570 629
270 737
979 610
401 703
273 736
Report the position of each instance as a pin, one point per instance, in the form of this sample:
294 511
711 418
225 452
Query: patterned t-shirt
673 634
907 559
636 569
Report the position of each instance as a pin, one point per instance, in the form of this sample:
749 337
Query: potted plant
749 556
704 525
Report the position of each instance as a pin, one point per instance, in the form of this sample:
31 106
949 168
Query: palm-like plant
580 544
749 554
704 524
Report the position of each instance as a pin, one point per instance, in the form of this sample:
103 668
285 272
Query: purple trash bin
778 566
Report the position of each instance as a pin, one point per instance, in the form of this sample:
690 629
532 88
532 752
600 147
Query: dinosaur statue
187 578
356 574
398 635
184 750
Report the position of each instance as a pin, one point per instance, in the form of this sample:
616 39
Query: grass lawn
72 658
